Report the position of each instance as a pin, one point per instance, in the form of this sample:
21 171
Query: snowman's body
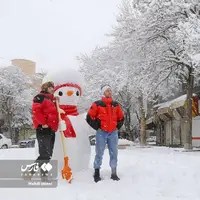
78 149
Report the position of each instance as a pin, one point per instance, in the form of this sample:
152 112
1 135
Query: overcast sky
53 32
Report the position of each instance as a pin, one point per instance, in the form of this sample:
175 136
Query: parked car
27 143
5 142
151 139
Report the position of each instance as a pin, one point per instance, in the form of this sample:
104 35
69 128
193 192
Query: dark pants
46 140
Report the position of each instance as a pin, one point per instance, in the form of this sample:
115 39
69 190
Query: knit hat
46 85
104 88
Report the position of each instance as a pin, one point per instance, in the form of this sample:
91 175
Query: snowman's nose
70 93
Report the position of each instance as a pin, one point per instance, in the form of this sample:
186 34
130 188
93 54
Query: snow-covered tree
15 98
170 30
154 50
121 65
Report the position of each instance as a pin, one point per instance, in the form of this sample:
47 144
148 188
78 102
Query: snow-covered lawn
146 174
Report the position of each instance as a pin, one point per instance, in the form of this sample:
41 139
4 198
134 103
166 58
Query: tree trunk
1 124
9 119
24 133
10 127
16 139
142 123
180 136
128 125
188 112
125 98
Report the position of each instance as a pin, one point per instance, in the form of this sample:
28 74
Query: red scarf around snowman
68 109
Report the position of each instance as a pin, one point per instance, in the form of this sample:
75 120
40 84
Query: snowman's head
69 94
68 85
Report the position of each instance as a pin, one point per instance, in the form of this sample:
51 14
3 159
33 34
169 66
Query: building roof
166 107
175 103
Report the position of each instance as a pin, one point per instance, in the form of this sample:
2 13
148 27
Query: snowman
68 87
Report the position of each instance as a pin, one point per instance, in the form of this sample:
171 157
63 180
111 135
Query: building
29 69
27 66
169 124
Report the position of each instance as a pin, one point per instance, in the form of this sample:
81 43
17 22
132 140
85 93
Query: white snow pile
14 146
66 75
125 142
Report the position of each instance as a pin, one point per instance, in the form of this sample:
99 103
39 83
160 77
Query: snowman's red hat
69 85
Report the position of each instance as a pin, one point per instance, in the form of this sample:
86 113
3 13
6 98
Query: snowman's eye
77 93
60 93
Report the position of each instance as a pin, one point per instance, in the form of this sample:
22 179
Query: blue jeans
111 139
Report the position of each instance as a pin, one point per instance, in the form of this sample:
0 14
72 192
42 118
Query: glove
57 97
61 111
62 126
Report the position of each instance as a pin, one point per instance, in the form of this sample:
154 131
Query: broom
66 172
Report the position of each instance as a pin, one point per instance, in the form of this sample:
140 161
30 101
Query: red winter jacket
44 111
105 114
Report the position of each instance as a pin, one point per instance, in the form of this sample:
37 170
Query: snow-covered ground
125 142
146 174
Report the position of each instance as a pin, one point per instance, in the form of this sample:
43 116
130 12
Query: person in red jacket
45 121
106 116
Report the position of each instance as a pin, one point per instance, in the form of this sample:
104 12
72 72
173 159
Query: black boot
97 177
114 176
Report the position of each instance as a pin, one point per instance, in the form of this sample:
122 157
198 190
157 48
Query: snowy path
146 174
